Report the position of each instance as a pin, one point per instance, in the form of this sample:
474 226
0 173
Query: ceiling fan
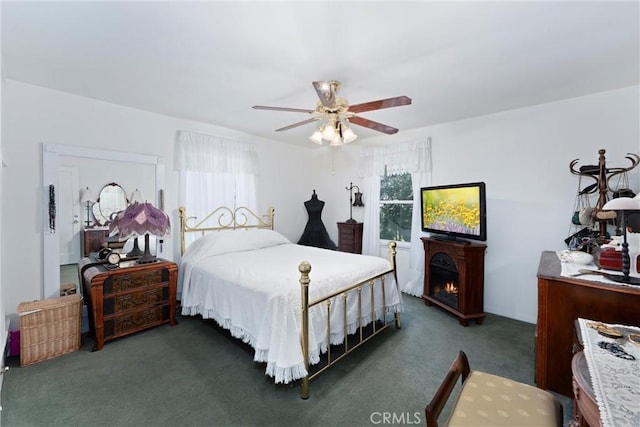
337 113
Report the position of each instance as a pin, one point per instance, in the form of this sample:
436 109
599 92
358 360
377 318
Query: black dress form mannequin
315 233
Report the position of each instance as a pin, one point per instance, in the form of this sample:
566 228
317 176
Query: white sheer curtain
410 157
371 231
215 172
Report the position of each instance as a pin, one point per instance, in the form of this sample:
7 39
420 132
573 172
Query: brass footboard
305 269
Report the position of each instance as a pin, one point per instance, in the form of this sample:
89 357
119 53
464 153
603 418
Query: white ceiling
212 61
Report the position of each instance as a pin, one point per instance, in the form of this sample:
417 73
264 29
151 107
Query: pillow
227 241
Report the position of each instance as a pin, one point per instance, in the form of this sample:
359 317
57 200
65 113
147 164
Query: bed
299 307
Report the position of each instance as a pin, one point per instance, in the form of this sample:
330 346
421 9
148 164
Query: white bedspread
248 283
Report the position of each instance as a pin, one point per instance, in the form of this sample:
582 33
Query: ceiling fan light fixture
329 131
347 134
316 137
336 132
335 142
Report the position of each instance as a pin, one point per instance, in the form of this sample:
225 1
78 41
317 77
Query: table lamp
87 197
115 232
142 219
136 196
626 204
352 203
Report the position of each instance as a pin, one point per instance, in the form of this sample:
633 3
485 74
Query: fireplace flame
450 288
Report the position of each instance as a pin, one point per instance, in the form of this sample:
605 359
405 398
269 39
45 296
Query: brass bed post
345 328
271 217
392 258
183 219
304 269
359 291
328 331
372 290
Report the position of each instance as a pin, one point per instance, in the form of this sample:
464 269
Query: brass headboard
223 218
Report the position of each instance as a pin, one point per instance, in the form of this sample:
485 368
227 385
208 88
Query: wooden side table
585 408
350 237
124 300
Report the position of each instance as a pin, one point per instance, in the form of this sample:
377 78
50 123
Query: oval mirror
111 200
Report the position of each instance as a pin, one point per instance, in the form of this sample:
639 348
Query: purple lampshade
113 225
140 219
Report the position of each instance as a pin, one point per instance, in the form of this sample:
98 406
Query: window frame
410 202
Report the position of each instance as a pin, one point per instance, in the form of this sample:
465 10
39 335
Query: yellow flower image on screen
453 210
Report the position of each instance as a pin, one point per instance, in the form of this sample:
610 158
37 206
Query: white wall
4 325
523 156
34 115
334 169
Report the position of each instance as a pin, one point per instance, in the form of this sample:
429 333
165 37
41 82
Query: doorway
52 199
69 212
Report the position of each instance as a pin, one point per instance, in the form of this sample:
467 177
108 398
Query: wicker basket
49 328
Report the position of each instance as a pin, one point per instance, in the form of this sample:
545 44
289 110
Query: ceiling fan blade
295 110
295 125
327 92
361 121
382 103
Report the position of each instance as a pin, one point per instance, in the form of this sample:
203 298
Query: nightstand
350 237
125 300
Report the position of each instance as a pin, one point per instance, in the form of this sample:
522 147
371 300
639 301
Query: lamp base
351 221
146 257
135 251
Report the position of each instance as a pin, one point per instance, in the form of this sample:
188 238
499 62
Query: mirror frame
101 219
51 154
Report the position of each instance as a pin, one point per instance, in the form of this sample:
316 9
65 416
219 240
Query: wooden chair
491 400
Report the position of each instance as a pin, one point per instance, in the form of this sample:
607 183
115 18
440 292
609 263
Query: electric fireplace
443 279
454 278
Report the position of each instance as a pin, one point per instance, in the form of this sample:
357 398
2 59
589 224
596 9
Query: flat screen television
455 211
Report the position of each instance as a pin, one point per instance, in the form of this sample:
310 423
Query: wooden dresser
92 239
125 300
561 300
350 237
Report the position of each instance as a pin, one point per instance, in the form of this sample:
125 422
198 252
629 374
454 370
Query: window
215 172
396 207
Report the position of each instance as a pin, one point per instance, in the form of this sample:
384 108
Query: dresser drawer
134 321
119 303
346 234
131 281
347 240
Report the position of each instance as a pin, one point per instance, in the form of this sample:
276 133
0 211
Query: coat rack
602 175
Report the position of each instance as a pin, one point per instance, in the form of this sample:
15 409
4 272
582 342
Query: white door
69 215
